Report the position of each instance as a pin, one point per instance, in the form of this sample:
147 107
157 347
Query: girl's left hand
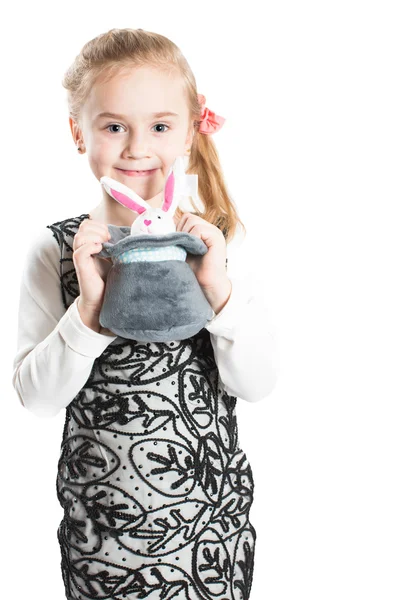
210 269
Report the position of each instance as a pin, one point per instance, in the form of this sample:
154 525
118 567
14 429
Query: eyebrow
157 115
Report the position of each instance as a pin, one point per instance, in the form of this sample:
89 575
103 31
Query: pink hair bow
209 121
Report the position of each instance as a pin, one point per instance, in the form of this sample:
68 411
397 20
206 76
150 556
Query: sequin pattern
155 488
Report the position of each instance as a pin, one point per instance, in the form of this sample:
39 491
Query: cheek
175 145
101 150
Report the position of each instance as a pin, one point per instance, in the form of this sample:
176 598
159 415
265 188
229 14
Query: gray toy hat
152 294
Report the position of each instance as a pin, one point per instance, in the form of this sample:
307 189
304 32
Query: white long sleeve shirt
56 350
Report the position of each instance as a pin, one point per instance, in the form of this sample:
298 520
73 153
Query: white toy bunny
152 293
155 220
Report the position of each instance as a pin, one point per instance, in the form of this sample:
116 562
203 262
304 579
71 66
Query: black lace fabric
155 488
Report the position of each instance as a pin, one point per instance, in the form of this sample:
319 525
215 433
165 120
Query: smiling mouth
137 172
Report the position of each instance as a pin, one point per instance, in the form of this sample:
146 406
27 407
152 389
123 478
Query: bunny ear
124 195
170 201
168 192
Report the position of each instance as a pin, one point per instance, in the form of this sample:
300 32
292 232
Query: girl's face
135 135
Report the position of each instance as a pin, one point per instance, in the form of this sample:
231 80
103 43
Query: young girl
155 488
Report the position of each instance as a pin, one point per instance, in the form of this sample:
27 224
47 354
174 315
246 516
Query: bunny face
150 219
153 221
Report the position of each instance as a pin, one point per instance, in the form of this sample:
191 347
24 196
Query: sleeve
55 349
245 342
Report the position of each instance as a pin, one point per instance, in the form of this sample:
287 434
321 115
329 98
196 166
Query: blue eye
113 125
157 125
162 125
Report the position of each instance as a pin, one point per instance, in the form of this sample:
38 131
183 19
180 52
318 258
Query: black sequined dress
155 488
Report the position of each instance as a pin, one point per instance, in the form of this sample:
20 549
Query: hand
210 269
88 241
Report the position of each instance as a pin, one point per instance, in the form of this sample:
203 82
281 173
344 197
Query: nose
137 146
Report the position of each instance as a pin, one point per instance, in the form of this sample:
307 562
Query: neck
110 212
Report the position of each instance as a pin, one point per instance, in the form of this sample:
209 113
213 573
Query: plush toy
151 292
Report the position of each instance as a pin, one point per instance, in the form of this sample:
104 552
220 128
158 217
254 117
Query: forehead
137 93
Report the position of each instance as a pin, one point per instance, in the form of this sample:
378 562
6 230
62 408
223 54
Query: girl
155 488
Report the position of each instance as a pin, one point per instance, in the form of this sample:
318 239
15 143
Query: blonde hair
119 50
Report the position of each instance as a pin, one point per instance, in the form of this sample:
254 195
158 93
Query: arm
244 342
55 349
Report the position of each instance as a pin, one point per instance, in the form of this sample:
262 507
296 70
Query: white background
310 152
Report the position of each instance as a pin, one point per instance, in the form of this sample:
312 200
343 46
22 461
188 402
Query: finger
90 225
89 231
84 251
104 234
192 222
185 224
87 238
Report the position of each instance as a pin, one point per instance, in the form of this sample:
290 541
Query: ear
171 199
169 192
124 195
75 130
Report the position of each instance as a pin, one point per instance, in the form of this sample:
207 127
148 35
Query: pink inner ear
169 192
126 201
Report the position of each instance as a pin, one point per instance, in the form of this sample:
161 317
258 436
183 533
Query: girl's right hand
88 241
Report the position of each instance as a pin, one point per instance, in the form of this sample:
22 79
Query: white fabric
56 350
